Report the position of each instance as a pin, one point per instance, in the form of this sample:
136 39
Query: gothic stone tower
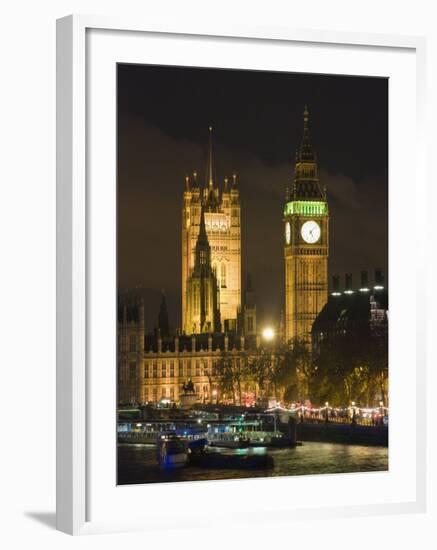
306 246
202 290
222 223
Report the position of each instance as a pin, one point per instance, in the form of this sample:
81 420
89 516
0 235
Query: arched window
196 300
223 276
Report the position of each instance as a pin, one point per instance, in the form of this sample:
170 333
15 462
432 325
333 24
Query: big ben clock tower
306 244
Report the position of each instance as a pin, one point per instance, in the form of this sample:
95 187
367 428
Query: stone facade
152 368
222 223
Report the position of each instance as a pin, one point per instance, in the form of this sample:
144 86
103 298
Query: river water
137 463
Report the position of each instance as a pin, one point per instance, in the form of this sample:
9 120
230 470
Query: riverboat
172 451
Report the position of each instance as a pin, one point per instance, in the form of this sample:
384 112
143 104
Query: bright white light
268 333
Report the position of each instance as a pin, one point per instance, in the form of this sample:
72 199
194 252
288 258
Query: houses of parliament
218 316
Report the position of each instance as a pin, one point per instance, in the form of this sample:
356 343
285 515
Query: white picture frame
74 279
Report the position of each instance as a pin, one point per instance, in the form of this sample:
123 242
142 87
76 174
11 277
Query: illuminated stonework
306 208
306 259
222 222
202 291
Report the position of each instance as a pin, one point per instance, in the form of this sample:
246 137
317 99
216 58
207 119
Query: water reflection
137 463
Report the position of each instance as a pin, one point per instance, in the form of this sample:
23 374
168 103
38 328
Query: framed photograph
237 322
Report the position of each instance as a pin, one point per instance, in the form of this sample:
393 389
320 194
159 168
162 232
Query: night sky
163 119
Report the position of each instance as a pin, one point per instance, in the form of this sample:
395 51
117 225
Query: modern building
306 243
354 321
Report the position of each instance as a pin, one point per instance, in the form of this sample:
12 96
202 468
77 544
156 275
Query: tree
295 370
258 370
226 374
352 366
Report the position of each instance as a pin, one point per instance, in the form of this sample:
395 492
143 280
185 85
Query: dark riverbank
343 433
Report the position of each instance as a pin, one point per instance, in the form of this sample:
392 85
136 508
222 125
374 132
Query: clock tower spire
306 243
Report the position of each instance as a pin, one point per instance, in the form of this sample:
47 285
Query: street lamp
268 334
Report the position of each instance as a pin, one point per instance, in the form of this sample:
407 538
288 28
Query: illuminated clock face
287 232
310 232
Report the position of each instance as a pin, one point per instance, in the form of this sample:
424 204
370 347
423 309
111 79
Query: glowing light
364 289
306 208
378 287
268 333
335 293
348 291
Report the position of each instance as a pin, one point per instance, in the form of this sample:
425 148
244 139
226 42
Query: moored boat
172 451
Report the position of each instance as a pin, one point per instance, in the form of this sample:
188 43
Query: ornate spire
202 261
211 194
209 170
203 237
306 180
306 152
